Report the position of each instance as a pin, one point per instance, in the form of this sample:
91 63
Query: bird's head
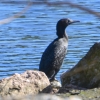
65 22
62 24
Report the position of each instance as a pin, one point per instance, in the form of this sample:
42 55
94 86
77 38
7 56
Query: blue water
23 40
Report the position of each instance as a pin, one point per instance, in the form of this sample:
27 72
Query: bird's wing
47 57
52 57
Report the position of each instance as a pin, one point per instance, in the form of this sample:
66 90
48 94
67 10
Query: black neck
61 33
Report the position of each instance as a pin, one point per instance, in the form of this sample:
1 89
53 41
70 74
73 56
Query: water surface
23 41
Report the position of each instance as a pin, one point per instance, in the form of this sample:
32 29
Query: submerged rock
86 73
29 82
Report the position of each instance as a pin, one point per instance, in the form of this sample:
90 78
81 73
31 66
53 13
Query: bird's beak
73 21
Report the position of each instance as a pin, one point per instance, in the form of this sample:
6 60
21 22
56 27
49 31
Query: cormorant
54 54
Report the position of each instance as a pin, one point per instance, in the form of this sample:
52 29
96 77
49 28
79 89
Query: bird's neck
62 34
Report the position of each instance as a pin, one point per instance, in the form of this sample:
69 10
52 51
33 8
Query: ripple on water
23 41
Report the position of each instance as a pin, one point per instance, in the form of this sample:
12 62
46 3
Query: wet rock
86 73
29 82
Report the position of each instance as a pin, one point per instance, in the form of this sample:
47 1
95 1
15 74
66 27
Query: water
23 41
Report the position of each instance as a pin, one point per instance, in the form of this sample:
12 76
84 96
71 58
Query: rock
47 97
29 82
54 97
50 90
86 73
53 88
41 97
55 84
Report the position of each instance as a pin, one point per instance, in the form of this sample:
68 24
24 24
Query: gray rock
47 97
41 97
53 88
29 82
56 84
54 97
86 73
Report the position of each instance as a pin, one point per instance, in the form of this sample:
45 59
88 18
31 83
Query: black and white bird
53 56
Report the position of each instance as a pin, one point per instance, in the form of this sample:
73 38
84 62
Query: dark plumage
54 54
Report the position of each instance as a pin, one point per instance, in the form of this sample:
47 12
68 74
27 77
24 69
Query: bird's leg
52 78
52 75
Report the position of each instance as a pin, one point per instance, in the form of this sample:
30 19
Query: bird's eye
68 21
